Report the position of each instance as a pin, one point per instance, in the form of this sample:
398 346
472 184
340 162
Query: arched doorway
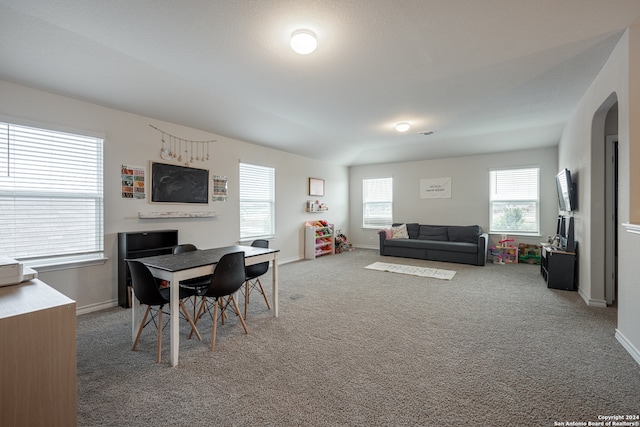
604 206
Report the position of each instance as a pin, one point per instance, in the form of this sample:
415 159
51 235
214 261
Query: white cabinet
319 239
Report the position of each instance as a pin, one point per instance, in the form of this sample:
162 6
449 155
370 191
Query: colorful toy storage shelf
319 239
504 254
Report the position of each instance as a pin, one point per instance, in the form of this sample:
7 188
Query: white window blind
257 201
515 200
51 195
377 202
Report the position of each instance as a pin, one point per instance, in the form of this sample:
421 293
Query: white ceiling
486 75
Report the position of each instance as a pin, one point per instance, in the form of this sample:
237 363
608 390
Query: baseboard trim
289 260
633 351
592 302
96 307
366 247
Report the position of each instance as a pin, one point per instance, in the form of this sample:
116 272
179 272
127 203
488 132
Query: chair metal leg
256 284
223 315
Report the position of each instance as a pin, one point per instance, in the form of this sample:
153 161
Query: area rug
435 273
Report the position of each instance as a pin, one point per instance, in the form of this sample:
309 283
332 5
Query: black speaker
571 242
559 226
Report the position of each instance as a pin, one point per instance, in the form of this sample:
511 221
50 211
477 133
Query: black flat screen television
566 191
179 184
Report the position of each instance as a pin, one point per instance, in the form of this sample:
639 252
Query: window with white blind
257 201
51 195
377 202
515 201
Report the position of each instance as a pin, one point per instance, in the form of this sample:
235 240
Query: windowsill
247 241
632 228
43 265
496 233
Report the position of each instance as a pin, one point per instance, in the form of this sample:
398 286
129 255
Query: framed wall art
219 188
316 187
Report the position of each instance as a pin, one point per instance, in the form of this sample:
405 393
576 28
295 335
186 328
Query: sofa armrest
383 238
483 241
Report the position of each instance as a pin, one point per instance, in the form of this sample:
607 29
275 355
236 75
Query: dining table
175 268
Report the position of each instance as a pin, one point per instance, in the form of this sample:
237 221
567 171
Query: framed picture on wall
316 187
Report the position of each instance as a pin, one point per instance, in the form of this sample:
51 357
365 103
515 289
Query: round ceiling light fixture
403 126
303 42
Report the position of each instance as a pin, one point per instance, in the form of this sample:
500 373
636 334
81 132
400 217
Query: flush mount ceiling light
403 126
303 42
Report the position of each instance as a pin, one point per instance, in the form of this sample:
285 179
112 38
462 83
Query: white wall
581 150
131 141
469 202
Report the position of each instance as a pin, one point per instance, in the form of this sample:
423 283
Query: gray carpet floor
357 347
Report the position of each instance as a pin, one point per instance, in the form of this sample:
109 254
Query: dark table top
199 258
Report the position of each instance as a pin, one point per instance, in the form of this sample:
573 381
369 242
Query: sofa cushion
400 232
468 234
406 243
433 245
413 229
433 232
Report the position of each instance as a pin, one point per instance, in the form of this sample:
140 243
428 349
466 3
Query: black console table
140 244
558 268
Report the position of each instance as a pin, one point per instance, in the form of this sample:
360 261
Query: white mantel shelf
151 215
632 228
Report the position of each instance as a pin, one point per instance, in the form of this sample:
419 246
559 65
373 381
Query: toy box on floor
529 254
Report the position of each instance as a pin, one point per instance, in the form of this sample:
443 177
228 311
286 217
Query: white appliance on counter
13 272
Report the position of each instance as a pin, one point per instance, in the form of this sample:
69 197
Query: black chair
199 284
147 291
228 278
252 279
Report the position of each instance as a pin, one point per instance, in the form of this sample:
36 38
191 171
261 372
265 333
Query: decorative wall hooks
183 150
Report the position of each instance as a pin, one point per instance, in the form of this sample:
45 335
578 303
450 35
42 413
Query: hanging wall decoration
132 182
219 188
183 150
435 188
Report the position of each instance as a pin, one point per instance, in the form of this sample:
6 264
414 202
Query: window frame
20 137
243 197
514 201
380 221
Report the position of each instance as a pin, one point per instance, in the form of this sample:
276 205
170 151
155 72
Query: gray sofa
450 243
